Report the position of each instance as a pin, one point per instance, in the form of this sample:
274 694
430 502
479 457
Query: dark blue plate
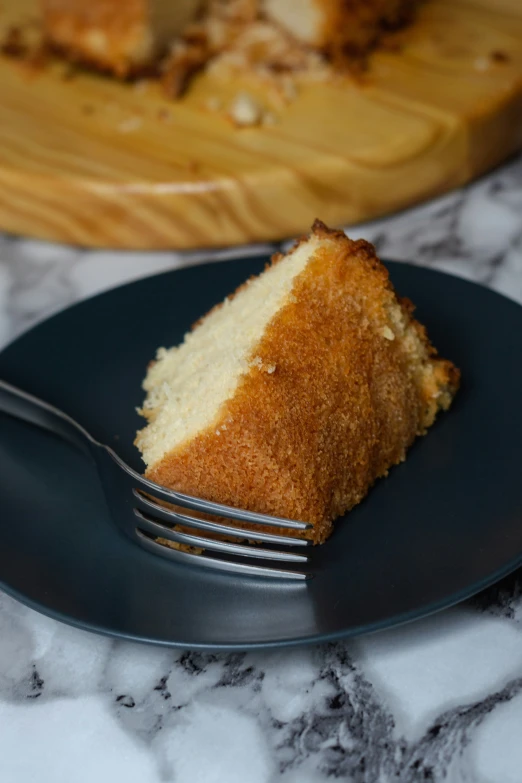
442 526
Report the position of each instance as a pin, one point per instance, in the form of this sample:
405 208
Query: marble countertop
438 700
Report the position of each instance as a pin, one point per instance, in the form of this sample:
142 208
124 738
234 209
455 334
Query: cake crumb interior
189 383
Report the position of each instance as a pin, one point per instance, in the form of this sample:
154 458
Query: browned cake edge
354 28
72 26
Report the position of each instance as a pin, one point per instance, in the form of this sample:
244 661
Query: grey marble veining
438 700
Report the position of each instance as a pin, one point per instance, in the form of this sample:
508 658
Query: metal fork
133 503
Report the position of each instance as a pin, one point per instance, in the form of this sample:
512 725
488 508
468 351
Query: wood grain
97 163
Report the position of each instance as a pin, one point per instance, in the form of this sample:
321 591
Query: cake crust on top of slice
336 388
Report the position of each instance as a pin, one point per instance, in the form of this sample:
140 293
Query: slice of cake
298 391
121 37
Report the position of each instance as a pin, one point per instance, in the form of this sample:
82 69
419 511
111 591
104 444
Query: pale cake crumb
245 111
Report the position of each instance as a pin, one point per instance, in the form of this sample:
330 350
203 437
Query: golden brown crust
103 34
329 405
188 56
353 28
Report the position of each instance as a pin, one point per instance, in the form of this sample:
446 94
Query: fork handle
21 405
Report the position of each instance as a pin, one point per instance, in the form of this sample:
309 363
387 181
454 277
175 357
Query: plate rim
399 620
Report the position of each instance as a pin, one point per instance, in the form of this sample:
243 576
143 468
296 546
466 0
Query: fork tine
228 547
206 506
174 517
217 563
28 408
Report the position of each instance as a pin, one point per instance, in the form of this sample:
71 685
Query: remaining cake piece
122 37
298 391
345 29
127 37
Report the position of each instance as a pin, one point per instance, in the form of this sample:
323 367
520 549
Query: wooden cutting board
96 163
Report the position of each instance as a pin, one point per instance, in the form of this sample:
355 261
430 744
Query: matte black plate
442 526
